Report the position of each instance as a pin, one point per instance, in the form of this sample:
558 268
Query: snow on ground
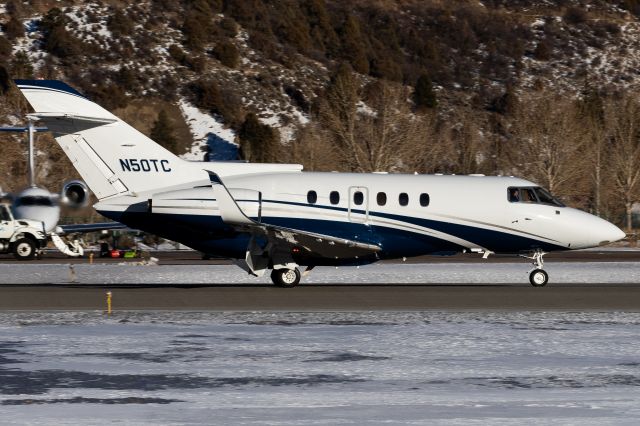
592 272
370 368
206 130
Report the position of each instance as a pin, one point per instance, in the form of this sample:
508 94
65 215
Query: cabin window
403 198
358 198
334 197
424 199
312 197
381 198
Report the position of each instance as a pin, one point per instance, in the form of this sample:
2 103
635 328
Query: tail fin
111 156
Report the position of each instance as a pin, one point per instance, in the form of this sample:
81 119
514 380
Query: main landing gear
286 278
538 277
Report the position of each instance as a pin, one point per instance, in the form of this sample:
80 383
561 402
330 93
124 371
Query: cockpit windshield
34 201
535 195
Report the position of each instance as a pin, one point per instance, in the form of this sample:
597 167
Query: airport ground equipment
24 238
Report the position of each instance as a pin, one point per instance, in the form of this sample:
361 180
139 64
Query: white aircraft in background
37 203
274 216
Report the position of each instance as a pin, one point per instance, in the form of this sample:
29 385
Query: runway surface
190 257
589 280
323 297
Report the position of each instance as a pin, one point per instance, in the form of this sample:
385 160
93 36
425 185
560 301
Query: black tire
538 278
286 278
24 249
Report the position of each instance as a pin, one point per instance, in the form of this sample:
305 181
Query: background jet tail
111 156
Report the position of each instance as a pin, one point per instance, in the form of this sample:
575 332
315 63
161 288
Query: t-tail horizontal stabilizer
65 123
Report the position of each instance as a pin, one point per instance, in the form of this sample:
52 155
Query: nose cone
610 233
48 215
593 231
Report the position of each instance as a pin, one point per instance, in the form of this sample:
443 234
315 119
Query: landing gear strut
286 278
538 277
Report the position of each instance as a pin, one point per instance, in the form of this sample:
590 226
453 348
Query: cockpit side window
4 214
535 195
528 196
514 195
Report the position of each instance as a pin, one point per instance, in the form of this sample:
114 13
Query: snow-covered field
379 368
579 272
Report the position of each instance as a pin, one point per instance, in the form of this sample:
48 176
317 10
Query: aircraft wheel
24 249
538 278
286 278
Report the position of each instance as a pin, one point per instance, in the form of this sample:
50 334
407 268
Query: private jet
39 204
277 217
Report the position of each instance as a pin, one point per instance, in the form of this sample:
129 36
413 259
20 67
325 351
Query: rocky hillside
271 75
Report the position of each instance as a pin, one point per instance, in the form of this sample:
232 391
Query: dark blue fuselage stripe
395 242
422 222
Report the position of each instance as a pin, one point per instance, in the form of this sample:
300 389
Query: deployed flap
323 245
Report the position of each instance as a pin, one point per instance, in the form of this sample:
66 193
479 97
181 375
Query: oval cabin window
358 198
424 200
403 199
381 198
312 197
334 197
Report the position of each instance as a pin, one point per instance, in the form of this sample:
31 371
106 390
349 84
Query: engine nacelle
75 194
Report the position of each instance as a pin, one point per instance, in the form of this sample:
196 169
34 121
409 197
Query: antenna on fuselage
30 129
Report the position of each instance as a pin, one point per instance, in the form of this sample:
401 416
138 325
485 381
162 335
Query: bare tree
380 132
389 136
462 136
549 142
339 113
312 148
623 121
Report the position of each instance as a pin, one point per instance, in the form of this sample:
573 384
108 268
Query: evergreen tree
120 24
227 53
14 28
57 40
21 66
323 35
423 94
258 142
5 80
353 45
198 24
163 133
5 48
194 32
507 103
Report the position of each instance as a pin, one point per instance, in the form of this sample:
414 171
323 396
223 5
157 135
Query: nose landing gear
538 277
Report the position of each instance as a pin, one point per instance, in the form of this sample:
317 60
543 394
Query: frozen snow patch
207 131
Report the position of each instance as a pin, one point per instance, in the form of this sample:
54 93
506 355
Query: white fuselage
463 213
262 212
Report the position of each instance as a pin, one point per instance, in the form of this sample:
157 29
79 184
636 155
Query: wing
319 244
89 227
